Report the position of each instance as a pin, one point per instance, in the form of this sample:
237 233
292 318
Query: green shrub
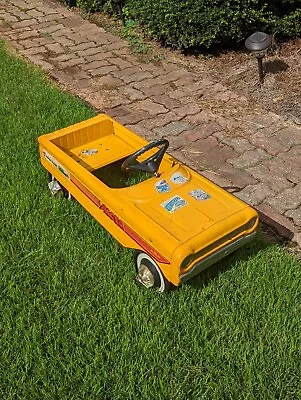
98 5
70 3
195 23
91 5
205 23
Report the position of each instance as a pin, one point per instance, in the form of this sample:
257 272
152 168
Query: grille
230 237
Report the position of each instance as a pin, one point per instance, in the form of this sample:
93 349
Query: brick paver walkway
257 156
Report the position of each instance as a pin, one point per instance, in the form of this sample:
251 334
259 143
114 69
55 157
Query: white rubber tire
144 263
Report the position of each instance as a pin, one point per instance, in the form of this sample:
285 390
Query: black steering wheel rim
152 163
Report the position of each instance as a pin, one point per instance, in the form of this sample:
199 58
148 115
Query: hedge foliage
206 23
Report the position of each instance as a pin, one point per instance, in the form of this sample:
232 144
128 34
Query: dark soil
281 90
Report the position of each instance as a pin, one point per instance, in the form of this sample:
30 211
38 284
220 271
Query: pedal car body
179 222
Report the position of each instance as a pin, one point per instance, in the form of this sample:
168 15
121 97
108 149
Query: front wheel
149 274
56 188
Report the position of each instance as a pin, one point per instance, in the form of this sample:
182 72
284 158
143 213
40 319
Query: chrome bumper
215 257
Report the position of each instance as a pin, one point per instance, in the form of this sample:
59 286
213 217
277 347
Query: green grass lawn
75 325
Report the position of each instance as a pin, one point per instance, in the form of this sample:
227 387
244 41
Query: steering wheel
152 163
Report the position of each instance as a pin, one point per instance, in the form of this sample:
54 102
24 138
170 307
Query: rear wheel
56 188
149 274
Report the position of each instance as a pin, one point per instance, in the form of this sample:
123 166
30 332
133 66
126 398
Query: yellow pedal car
178 221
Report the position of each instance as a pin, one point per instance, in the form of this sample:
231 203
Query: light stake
258 43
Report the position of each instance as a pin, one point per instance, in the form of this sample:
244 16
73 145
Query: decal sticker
199 194
54 162
174 204
162 186
89 152
178 178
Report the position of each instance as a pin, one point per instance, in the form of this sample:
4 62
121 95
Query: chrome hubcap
145 276
54 187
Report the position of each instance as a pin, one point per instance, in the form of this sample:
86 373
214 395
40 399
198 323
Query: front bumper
217 256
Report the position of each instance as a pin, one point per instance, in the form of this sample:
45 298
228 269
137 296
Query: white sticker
174 204
178 178
199 194
162 186
89 152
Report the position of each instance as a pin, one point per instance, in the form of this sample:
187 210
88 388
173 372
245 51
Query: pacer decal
122 225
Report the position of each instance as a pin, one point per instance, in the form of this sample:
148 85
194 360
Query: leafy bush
289 25
91 5
98 5
70 3
206 23
196 23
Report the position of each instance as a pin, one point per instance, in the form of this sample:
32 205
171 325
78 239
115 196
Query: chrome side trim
213 258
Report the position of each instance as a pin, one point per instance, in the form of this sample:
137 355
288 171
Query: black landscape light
258 43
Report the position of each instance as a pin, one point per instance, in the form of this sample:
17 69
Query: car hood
185 206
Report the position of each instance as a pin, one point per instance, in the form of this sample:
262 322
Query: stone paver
277 183
173 128
250 158
255 154
255 194
289 199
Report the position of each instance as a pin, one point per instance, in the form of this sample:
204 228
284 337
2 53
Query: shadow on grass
201 280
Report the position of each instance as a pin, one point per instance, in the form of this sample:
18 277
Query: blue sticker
162 186
174 204
178 178
199 194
